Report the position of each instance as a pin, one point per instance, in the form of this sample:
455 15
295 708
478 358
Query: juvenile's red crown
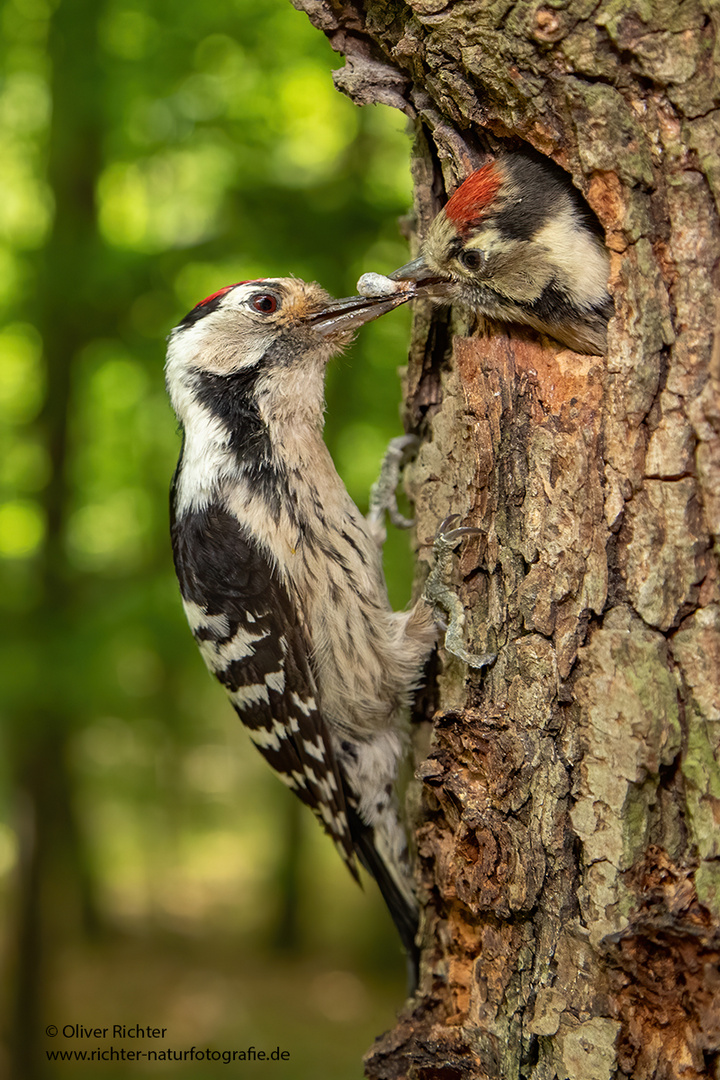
466 206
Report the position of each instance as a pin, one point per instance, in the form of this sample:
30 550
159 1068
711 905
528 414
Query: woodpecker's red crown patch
466 205
220 292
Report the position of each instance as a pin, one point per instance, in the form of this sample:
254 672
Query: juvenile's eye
472 259
266 303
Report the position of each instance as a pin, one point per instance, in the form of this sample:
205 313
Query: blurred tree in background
153 152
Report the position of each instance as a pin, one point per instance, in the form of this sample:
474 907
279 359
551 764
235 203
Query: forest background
152 870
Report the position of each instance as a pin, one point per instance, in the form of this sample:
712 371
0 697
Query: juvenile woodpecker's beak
344 316
419 273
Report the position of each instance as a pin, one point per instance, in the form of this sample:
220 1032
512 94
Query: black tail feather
402 913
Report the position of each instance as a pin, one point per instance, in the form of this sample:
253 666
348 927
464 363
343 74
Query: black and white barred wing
252 639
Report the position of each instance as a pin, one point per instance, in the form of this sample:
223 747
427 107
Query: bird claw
443 598
383 493
450 537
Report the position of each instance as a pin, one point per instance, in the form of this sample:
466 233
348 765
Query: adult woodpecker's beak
344 316
422 277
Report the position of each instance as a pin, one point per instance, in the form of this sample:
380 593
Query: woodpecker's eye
264 302
472 259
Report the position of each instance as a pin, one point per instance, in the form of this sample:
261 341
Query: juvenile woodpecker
281 575
517 243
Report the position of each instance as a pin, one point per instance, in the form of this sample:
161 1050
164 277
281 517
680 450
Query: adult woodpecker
281 575
517 243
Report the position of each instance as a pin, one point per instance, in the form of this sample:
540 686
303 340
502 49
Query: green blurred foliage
153 152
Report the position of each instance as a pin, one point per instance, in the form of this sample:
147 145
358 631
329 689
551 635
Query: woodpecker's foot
383 493
443 598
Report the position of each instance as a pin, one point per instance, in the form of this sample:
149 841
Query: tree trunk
568 837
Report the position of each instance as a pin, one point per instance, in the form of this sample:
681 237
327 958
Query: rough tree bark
568 837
